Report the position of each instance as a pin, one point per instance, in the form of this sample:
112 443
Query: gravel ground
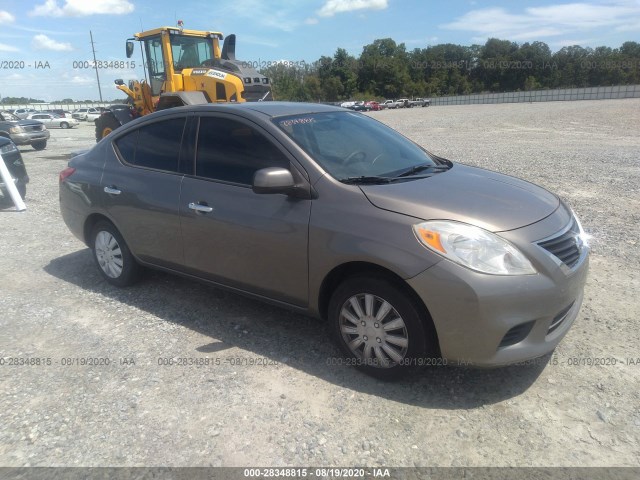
297 410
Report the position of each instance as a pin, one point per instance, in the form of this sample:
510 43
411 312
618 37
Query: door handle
112 191
200 208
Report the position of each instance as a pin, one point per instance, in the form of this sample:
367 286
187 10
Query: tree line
385 69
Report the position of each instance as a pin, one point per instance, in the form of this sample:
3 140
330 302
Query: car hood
472 195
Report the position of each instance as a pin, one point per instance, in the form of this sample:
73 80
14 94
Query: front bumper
29 137
491 320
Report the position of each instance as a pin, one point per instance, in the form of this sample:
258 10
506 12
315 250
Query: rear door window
155 146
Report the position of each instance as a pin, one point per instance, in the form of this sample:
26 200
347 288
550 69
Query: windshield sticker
297 121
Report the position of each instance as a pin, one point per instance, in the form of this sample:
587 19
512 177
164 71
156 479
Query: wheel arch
352 269
90 222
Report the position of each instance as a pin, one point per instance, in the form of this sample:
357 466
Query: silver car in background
409 256
54 121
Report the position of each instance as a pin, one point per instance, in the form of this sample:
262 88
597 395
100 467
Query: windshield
349 145
8 117
191 52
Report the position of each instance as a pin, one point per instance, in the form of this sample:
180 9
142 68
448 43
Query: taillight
66 173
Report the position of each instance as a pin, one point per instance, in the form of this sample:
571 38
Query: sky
41 41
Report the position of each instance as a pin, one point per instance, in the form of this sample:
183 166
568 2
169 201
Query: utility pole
95 64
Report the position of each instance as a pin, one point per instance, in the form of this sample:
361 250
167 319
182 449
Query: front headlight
9 148
473 247
16 129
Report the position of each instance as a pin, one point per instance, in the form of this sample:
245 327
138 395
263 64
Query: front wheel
64 125
39 145
378 327
112 255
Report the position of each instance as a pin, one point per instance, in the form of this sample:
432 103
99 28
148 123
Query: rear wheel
112 255
379 327
105 124
39 145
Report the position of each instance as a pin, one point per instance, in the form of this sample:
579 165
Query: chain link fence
564 94
70 107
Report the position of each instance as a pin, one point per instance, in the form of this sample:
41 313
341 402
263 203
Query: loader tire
105 124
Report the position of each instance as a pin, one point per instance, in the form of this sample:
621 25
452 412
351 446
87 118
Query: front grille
34 128
559 319
566 246
516 334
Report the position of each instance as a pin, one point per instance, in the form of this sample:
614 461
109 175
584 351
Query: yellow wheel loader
184 67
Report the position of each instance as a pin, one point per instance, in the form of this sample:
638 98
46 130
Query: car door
233 236
44 118
141 189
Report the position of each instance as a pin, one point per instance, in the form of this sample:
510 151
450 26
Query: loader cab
168 51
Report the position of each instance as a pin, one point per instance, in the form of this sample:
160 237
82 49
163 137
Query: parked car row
89 114
406 103
23 113
361 106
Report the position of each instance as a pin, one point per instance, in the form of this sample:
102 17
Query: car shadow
231 320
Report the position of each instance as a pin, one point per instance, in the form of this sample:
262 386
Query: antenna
95 64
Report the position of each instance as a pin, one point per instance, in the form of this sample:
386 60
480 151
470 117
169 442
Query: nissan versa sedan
409 256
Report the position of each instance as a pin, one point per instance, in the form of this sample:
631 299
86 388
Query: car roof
270 109
248 109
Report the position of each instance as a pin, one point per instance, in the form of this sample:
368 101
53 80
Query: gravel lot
297 410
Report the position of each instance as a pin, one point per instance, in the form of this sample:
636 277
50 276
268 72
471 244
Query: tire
394 350
112 255
105 124
39 145
64 125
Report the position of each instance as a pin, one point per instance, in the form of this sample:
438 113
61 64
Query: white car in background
54 121
92 115
84 113
347 104
390 104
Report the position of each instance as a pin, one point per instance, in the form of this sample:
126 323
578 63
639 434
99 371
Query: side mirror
273 180
129 48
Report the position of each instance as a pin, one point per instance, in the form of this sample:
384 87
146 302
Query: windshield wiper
419 168
367 180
